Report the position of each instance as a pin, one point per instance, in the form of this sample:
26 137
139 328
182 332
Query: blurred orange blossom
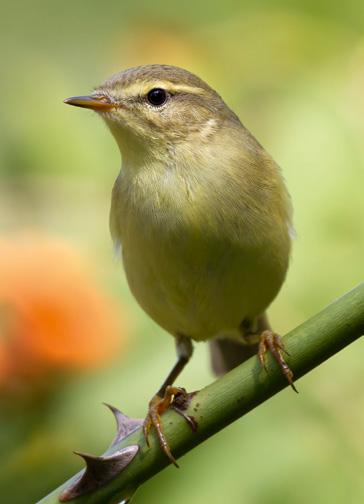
54 316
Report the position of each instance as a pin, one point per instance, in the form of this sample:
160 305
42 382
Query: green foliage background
294 72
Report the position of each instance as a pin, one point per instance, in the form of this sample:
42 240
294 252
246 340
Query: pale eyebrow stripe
141 88
186 89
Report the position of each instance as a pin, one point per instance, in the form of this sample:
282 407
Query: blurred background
71 336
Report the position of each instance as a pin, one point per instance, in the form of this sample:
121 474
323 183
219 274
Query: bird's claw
272 342
157 406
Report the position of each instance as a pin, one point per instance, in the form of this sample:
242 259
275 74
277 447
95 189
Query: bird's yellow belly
197 286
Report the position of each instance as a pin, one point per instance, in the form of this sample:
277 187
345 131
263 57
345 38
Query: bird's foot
174 397
272 342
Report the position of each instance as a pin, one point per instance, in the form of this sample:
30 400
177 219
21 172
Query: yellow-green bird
202 216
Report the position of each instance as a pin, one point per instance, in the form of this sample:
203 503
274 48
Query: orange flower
53 315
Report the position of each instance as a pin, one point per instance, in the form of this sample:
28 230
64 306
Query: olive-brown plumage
199 210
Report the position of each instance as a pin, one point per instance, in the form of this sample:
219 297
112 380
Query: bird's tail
226 354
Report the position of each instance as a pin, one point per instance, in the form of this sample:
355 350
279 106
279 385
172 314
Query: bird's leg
165 396
268 341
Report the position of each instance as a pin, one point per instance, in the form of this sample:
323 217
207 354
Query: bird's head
154 107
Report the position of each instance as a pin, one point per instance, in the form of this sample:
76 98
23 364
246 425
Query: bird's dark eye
157 97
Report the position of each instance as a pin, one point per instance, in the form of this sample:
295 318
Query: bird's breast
191 255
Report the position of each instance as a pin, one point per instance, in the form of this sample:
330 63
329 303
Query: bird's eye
157 97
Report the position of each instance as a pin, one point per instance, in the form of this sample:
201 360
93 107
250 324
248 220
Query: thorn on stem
99 471
124 424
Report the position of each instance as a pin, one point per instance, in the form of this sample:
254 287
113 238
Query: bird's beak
94 102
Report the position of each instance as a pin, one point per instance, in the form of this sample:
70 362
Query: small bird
202 216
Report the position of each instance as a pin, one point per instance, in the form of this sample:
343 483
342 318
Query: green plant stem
236 393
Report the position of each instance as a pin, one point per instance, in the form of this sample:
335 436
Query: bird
202 217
